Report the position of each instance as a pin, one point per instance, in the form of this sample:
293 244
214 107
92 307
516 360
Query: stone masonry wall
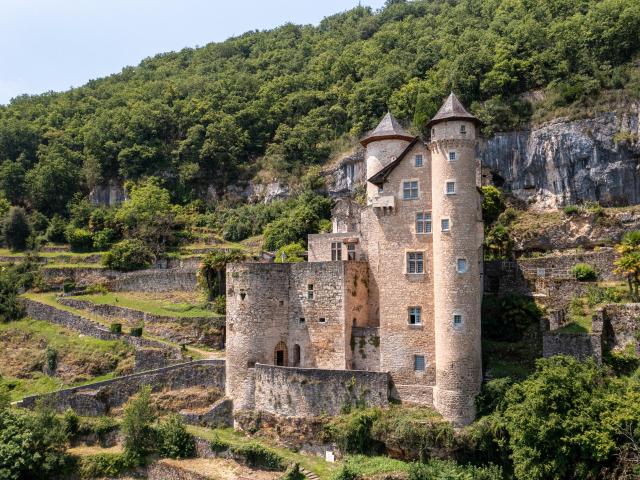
365 348
156 280
98 398
579 345
621 325
301 392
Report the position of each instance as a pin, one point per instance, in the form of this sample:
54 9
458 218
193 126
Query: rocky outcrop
563 162
350 172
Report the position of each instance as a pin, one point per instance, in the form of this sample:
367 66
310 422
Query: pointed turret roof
388 128
452 109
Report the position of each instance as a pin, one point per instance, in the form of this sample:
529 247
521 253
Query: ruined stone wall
300 392
621 325
579 345
98 398
365 348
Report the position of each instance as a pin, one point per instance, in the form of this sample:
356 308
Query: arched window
280 356
296 355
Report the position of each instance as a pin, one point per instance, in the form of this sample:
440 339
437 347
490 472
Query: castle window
410 190
310 291
423 222
451 188
463 129
433 132
444 225
351 251
415 316
336 251
419 160
457 319
415 262
419 363
302 320
453 155
322 320
296 355
461 265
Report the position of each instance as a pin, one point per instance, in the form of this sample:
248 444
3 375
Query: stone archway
281 355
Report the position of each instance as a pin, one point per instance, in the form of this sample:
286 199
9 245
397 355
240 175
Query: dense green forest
272 103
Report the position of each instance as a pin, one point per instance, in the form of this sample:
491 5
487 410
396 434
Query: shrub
346 473
583 272
492 395
571 210
71 422
352 432
56 230
51 355
115 328
128 255
212 272
445 470
174 440
39 222
492 204
292 253
218 445
258 456
293 473
79 239
597 295
139 436
68 285
508 216
16 229
104 465
136 331
220 305
103 239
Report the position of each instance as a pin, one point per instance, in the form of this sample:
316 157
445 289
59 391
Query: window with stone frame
444 225
451 187
419 160
336 251
310 291
423 222
461 265
419 363
453 155
415 316
410 190
351 251
463 129
457 319
415 262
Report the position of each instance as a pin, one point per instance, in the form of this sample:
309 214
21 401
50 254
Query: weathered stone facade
395 288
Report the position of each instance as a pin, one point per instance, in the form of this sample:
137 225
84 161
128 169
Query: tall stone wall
301 392
579 345
621 325
365 348
98 398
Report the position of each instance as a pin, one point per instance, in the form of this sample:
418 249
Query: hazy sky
55 44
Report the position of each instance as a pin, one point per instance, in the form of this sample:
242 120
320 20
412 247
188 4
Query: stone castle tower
393 291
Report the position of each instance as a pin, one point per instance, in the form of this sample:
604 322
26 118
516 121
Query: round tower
457 261
383 145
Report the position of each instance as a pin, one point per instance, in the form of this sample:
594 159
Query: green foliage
258 456
104 465
39 223
127 255
136 331
506 317
292 253
597 295
71 423
115 328
572 210
174 440
498 243
56 230
11 279
492 204
628 264
218 445
293 473
51 355
212 272
16 229
584 272
103 239
80 239
220 304
447 470
353 432
491 397
139 435
346 473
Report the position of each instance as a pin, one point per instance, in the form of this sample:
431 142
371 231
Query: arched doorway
296 355
280 356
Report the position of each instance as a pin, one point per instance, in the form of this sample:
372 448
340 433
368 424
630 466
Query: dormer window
419 161
453 155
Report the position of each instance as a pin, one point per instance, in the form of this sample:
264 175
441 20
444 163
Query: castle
395 288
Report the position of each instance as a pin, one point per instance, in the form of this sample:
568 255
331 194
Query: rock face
348 174
564 162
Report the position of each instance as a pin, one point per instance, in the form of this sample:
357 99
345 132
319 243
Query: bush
56 230
492 395
136 331
258 456
220 305
79 239
71 422
583 272
16 229
104 465
218 445
128 255
597 295
292 253
51 355
103 239
293 473
115 328
352 432
571 210
346 473
492 204
446 470
39 223
174 440
68 286
139 436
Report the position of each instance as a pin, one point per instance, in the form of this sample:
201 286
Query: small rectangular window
322 320
418 160
463 129
336 251
453 156
415 262
444 224
461 265
457 319
415 316
451 188
423 222
418 363
410 190
310 292
302 320
351 251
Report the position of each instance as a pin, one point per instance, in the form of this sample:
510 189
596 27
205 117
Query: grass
317 465
95 266
154 307
25 341
377 465
5 252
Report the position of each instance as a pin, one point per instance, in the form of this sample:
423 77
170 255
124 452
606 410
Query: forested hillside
278 101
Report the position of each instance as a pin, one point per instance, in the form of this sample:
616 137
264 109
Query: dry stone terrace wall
579 345
98 398
302 392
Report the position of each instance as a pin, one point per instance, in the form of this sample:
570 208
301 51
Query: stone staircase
309 474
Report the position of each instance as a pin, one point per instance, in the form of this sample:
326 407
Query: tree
139 435
628 265
12 176
292 253
212 272
175 441
16 229
492 204
128 255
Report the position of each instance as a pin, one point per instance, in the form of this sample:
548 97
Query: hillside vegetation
274 102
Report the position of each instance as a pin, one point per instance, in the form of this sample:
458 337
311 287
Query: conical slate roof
388 128
452 109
